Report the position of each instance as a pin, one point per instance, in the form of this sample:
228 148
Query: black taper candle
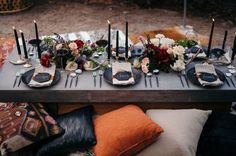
109 41
210 39
225 38
24 45
234 49
17 41
126 41
37 39
117 44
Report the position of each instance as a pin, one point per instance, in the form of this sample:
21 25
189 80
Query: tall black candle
234 49
24 45
126 41
117 43
109 41
225 38
210 39
17 41
37 39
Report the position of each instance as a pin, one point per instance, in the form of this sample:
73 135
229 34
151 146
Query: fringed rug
6 47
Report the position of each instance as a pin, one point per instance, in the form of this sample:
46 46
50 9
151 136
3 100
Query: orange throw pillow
124 132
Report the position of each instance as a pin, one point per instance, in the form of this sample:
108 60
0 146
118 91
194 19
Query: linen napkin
207 75
42 76
122 74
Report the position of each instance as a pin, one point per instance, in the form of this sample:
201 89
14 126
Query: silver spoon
156 72
100 76
150 78
72 75
78 72
94 78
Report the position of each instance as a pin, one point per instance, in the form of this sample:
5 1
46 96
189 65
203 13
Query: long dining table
170 89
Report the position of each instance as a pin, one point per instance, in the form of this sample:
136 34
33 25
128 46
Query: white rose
179 65
160 36
167 41
58 46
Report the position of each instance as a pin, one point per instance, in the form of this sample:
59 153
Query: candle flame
13 28
34 21
20 31
213 20
108 22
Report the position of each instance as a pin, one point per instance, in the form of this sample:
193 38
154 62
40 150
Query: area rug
6 47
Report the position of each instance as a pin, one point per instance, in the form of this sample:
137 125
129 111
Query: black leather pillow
79 133
218 137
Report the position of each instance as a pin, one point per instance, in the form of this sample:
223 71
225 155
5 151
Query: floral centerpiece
70 55
162 53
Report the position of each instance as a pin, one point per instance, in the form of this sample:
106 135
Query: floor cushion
124 132
182 131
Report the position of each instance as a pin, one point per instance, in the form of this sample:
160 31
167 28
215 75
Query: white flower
160 36
167 41
71 66
136 63
176 51
179 65
58 46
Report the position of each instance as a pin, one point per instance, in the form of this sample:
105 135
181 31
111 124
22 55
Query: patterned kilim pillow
22 124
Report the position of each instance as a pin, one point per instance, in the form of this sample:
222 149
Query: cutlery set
18 78
229 76
100 74
181 75
149 77
72 76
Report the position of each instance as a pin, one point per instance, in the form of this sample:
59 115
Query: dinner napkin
122 74
42 76
207 75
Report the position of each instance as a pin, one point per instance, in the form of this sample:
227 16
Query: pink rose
145 61
73 46
145 69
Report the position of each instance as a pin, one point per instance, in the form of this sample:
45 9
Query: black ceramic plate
26 77
108 76
192 77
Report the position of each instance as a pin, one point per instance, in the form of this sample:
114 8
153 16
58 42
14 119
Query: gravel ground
73 16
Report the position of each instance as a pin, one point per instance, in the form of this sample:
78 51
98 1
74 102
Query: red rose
45 60
79 43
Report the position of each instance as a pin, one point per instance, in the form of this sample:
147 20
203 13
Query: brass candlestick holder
20 61
27 64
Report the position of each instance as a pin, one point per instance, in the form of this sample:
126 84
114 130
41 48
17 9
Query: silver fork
185 77
94 78
17 76
21 73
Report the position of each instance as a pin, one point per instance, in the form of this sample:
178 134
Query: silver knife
77 79
67 76
227 81
186 79
145 80
232 82
180 77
